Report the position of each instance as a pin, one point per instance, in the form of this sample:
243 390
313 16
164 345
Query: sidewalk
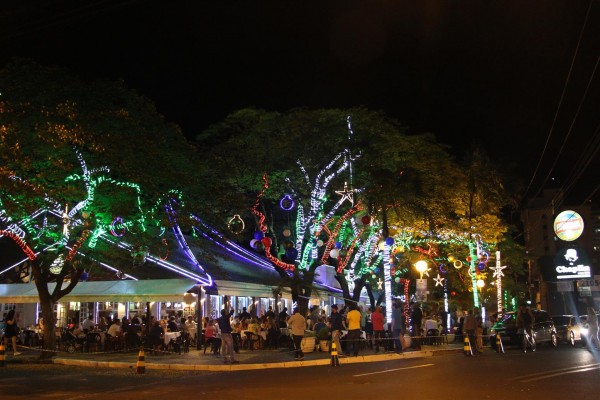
249 360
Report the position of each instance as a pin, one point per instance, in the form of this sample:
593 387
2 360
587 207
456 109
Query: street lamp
421 266
480 284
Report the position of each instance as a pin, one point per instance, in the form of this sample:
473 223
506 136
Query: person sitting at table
272 333
172 325
115 333
209 336
191 326
102 325
88 324
155 337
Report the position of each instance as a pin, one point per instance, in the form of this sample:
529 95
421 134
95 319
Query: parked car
568 328
584 329
543 330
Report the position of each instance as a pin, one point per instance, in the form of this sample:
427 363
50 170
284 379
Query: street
548 373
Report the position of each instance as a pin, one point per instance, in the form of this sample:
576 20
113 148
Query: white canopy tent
114 291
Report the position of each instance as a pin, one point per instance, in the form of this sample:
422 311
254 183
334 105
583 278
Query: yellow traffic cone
335 361
499 346
467 347
140 366
2 356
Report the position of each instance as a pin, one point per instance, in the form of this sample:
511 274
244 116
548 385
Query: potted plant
308 342
323 336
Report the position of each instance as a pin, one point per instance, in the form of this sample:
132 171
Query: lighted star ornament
439 281
498 271
379 284
347 194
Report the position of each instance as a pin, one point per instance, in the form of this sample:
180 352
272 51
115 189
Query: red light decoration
333 235
78 244
263 228
26 249
164 241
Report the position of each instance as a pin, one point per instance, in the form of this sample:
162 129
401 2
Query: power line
562 96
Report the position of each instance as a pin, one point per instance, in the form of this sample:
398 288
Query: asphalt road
562 373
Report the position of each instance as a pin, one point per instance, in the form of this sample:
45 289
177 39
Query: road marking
554 371
395 369
561 373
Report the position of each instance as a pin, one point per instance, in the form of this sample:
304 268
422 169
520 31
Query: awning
114 291
230 288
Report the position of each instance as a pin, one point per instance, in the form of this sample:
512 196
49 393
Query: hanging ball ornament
286 203
259 245
258 235
320 243
374 276
334 253
366 220
253 242
451 258
389 241
236 224
288 244
469 259
397 279
338 245
267 241
291 253
481 266
287 233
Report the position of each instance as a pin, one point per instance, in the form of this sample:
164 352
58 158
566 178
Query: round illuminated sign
568 225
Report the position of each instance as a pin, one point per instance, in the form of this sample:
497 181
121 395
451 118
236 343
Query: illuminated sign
572 263
568 225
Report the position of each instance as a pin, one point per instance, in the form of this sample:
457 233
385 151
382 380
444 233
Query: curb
255 366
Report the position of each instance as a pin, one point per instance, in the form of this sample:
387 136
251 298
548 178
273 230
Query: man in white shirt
88 324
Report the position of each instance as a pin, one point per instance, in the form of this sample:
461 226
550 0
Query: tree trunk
49 333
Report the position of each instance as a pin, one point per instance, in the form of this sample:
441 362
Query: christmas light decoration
236 225
286 203
17 239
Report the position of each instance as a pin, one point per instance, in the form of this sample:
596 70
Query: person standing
592 320
297 323
378 328
337 326
11 331
470 329
416 319
226 338
398 326
353 320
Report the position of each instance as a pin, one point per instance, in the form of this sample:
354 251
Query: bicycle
528 340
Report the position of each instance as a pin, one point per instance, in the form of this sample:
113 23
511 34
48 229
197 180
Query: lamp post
422 267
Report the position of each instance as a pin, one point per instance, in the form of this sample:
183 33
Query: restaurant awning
114 291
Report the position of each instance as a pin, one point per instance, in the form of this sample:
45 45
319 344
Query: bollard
499 346
2 356
140 366
467 347
335 361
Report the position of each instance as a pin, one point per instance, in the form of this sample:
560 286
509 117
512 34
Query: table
170 335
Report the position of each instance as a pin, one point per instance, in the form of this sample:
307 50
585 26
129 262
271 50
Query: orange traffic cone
499 346
140 366
467 347
335 361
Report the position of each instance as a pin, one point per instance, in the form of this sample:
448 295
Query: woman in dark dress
11 331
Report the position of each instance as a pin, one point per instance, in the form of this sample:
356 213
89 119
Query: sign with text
568 225
421 293
572 263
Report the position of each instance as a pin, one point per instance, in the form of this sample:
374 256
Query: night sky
472 72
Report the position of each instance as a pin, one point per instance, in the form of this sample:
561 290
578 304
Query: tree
58 138
404 180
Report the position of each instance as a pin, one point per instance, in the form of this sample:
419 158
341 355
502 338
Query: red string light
78 244
263 228
26 249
